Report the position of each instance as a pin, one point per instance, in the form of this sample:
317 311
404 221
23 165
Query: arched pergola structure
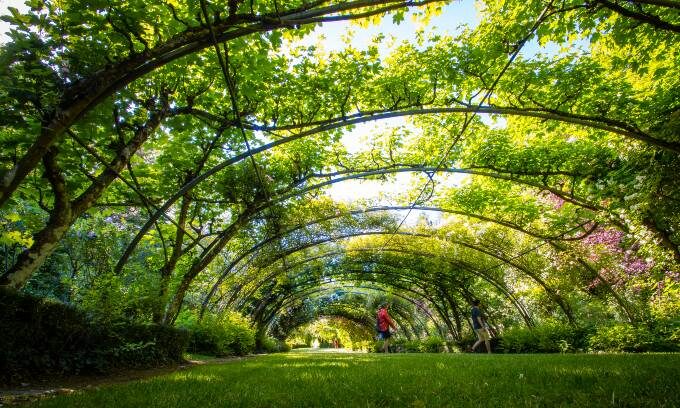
214 171
412 323
459 310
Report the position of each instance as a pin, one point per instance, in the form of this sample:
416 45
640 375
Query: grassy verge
432 380
198 357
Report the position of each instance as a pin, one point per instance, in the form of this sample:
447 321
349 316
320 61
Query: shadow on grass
297 379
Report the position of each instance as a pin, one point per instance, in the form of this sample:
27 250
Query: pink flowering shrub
610 238
623 263
552 199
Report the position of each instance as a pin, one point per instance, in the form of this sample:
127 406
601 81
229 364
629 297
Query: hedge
228 334
43 337
552 337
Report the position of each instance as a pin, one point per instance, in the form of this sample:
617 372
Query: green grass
432 380
198 357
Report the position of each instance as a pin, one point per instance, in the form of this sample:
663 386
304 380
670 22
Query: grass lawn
415 380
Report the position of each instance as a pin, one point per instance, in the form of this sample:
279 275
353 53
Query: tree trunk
52 128
65 212
202 262
45 241
663 236
167 269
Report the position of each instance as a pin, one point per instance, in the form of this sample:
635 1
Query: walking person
480 326
384 323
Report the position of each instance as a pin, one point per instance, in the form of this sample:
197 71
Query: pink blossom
610 238
595 283
557 201
674 276
634 266
553 199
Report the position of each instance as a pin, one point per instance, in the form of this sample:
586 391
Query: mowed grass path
416 380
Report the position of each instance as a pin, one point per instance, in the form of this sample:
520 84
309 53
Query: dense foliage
167 159
62 340
224 335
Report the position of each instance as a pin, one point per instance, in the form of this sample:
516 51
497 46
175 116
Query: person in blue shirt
480 327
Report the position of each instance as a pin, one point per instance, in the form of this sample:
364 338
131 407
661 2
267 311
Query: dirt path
27 392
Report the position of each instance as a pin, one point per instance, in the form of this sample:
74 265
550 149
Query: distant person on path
480 327
384 323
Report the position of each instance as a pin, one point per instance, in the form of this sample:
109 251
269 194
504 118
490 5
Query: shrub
283 346
453 346
363 345
549 337
470 338
623 337
433 344
519 340
406 346
377 346
43 337
667 332
227 334
554 337
272 345
297 345
143 344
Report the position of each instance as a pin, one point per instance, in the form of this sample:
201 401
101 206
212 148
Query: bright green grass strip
198 357
432 380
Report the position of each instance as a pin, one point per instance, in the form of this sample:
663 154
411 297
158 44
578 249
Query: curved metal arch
145 228
311 284
421 284
440 308
358 234
374 288
386 208
90 91
369 326
419 317
405 278
502 288
620 301
231 265
487 278
287 268
202 177
551 293
464 266
366 319
362 321
358 321
521 308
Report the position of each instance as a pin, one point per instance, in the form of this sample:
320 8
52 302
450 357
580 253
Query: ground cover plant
428 380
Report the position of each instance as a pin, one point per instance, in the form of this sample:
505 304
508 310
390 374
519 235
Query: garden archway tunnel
190 161
437 278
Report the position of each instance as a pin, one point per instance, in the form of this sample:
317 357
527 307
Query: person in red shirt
384 323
